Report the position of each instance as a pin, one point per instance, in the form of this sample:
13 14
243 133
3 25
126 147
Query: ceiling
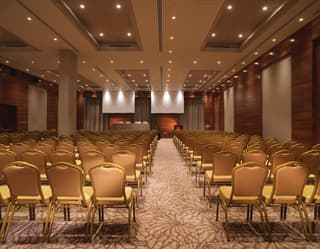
165 40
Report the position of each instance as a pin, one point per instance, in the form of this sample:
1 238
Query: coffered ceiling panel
196 78
239 20
109 24
137 79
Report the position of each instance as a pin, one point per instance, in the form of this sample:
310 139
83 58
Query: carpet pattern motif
172 214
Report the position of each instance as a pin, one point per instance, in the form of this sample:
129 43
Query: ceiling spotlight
32 62
169 69
78 81
111 61
129 34
170 61
170 51
271 53
101 34
171 37
173 18
256 53
42 75
27 69
256 63
58 62
83 62
265 8
107 80
292 40
213 34
195 62
82 6
29 18
168 75
229 7
129 75
233 70
245 70
190 75
7 62
240 35
243 63
274 39
55 38
118 6
93 69
144 75
236 76
219 62
141 61
101 75
54 80
301 19
205 75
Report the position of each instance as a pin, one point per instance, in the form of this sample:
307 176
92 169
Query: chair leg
299 207
129 222
7 221
217 211
204 187
52 215
227 221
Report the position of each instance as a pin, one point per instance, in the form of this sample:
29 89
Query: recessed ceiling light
144 75
133 80
292 40
229 7
243 63
82 6
213 34
32 62
101 34
256 53
107 80
83 62
169 75
265 8
205 75
173 17
86 85
219 62
118 6
256 63
129 75
111 61
78 81
101 75
29 18
301 19
42 75
7 62
168 80
170 61
240 35
170 51
54 80
233 70
271 53
55 38
171 37
169 69
195 62
245 70
190 75
129 34
93 69
58 62
236 76
228 81
141 61
274 39
146 81
27 69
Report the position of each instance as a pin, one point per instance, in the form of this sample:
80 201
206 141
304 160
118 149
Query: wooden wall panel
316 91
15 92
52 108
248 102
302 109
119 118
208 111
165 123
80 99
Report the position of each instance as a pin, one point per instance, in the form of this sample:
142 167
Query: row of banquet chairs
253 177
82 157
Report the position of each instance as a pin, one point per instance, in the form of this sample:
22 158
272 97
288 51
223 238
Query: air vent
122 45
223 45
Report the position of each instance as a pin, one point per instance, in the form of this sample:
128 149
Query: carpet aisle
172 214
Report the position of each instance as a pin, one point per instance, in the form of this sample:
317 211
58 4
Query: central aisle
174 213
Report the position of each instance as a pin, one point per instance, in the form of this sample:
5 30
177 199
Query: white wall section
229 110
37 109
118 102
167 102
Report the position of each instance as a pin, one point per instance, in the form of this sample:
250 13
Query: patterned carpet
171 214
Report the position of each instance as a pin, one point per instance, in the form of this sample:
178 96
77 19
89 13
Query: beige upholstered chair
62 156
278 158
30 142
137 149
236 149
316 147
19 148
67 185
38 159
207 153
91 159
65 146
288 184
108 151
127 160
311 160
23 180
113 194
244 192
6 157
221 173
257 156
298 149
46 148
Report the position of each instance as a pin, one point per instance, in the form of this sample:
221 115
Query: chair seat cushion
116 200
132 178
277 199
308 194
225 195
4 195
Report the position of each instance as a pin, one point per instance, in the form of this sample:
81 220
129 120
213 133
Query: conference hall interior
160 124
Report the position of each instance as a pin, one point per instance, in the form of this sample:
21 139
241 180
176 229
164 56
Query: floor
172 214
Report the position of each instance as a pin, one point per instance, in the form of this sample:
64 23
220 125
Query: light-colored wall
229 110
37 109
276 100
